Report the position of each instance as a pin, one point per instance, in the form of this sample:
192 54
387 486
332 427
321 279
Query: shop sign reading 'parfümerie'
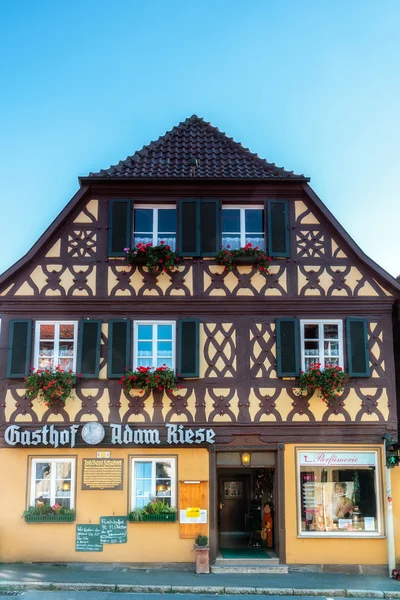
337 459
120 435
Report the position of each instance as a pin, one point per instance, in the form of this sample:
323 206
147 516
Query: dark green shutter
189 227
278 227
210 227
89 348
119 227
119 347
19 348
357 347
199 227
188 347
287 347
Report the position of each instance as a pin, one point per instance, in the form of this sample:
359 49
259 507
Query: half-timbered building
237 435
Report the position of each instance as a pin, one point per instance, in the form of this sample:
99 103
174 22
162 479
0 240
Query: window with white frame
241 226
338 492
154 344
155 224
56 344
321 342
153 478
52 481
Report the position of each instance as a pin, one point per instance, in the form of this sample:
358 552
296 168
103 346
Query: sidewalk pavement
123 577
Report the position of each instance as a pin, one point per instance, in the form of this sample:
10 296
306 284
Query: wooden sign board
193 494
102 473
113 530
88 538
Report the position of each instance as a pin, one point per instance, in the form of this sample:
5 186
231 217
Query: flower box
139 260
246 260
158 259
49 518
247 255
171 517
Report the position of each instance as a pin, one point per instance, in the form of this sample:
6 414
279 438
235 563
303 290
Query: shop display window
338 493
52 482
153 479
56 344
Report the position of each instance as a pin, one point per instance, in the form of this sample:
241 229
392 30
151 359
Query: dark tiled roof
195 148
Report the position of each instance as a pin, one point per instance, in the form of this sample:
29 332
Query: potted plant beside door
202 550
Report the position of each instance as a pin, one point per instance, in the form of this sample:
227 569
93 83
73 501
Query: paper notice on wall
193 512
369 523
185 518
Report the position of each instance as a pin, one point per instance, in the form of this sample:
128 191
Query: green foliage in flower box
158 259
146 378
248 254
53 386
156 510
328 382
48 514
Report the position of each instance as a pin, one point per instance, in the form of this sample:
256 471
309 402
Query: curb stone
149 589
217 590
197 589
364 594
319 592
240 590
274 591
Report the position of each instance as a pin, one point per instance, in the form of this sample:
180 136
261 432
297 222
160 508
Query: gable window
154 344
56 344
153 225
241 226
153 478
52 481
321 342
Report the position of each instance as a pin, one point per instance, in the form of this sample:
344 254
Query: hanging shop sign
337 459
117 434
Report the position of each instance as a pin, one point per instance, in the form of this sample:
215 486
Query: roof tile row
195 148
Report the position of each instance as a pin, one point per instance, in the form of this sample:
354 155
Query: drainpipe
389 523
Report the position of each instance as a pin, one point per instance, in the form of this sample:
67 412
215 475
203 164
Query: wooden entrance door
233 502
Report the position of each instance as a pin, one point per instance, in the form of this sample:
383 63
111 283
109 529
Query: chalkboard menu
88 538
102 473
113 530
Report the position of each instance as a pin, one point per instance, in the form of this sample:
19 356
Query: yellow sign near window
193 512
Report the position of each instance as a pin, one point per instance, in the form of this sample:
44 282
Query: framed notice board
193 495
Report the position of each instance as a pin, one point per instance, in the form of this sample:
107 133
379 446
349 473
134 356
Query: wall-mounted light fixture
246 458
161 488
66 486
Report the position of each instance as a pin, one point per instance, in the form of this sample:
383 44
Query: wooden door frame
279 494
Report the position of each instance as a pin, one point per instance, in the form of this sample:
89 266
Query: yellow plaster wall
395 479
135 282
325 550
50 542
283 404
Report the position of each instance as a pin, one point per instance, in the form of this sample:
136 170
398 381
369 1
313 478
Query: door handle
221 505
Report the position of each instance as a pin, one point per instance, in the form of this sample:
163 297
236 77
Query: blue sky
312 86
